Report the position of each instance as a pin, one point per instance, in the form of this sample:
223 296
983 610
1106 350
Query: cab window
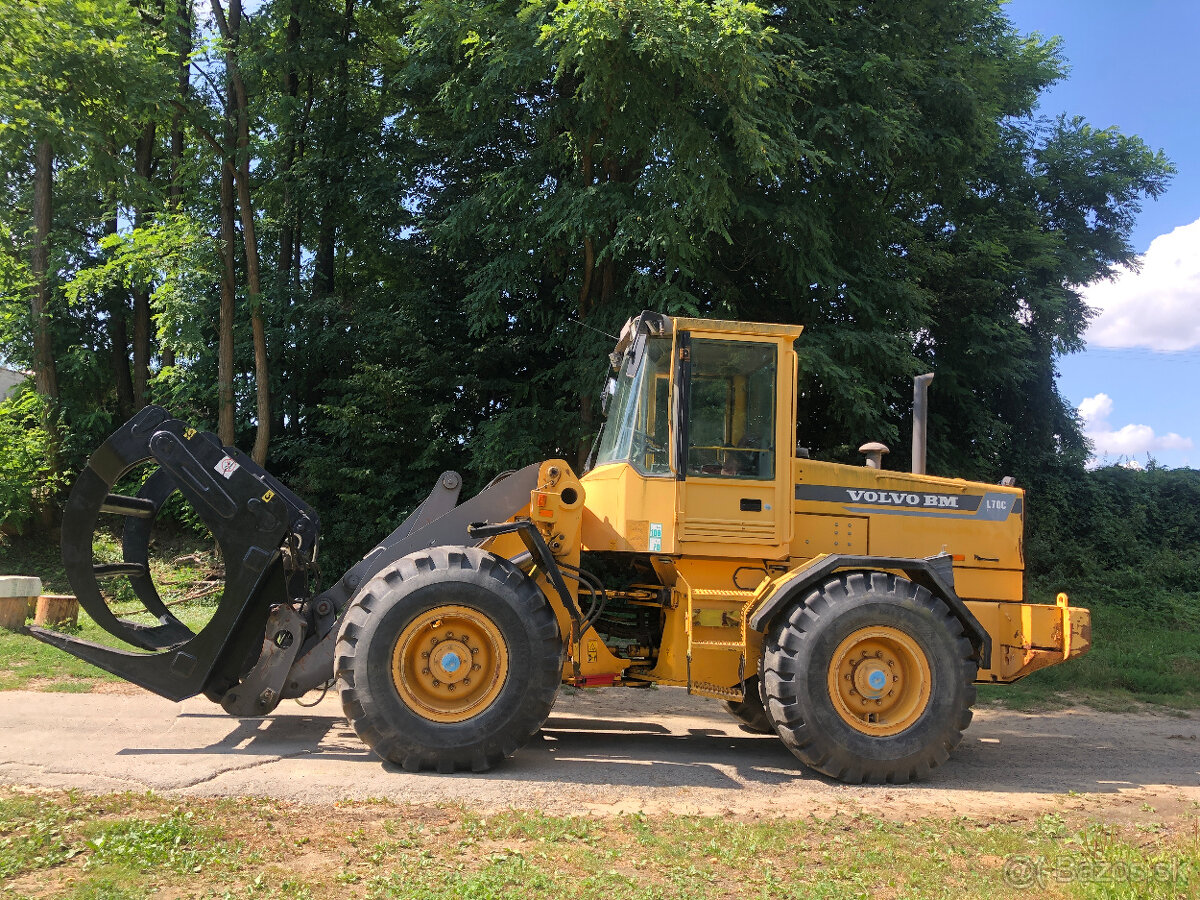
731 410
637 429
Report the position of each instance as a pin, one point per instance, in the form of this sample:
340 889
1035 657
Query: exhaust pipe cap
874 453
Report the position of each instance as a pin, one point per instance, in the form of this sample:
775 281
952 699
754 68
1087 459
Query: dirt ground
602 752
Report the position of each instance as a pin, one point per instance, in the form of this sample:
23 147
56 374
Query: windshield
638 426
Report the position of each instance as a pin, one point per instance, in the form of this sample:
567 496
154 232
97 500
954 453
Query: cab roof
650 322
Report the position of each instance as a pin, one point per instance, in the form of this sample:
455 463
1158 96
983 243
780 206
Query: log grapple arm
270 637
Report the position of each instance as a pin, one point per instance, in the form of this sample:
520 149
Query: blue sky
1135 64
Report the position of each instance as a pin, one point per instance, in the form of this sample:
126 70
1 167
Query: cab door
732 454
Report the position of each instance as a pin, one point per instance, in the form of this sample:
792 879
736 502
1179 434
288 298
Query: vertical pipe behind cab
920 421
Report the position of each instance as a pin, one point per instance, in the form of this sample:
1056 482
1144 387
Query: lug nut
436 683
425 671
424 654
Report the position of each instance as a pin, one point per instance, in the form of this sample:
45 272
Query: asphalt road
600 751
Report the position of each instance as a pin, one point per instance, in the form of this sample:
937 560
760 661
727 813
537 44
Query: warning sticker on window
227 466
655 537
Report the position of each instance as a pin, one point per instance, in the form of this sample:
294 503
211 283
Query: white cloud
1128 441
1157 307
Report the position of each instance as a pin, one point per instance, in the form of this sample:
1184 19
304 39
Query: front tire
869 679
449 659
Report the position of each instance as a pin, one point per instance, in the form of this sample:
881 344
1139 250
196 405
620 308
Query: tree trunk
118 329
291 90
143 166
45 372
183 45
325 264
288 241
230 30
225 397
301 145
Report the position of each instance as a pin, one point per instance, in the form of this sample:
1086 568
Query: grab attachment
267 537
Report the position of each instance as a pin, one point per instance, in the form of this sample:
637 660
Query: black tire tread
387 738
751 712
784 651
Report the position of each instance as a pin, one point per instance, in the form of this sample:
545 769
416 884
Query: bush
27 471
1124 538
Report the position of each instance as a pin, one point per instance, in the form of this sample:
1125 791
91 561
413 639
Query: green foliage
74 69
172 841
1122 537
176 257
31 838
27 479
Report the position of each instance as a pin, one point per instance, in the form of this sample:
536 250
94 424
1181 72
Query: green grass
136 846
26 663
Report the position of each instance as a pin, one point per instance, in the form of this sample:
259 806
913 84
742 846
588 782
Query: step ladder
716 641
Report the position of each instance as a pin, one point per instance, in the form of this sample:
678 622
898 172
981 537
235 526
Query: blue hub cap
451 662
877 680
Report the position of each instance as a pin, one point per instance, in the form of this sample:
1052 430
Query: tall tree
585 154
231 32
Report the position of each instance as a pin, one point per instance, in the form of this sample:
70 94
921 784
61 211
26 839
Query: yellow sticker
268 496
189 434
593 651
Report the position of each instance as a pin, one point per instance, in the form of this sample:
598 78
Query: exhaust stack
920 421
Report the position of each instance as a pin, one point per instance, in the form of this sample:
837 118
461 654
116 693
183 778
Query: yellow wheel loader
851 610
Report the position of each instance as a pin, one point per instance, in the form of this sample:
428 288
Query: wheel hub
879 680
449 663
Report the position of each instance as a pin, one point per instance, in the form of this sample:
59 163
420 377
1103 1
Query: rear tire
750 711
869 679
473 702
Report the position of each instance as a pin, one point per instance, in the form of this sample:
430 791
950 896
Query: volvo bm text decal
910 499
891 498
993 506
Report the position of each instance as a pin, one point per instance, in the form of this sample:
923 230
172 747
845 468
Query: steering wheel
644 443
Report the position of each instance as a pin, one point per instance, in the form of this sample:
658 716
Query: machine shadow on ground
1034 759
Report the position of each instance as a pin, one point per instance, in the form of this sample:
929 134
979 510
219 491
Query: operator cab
703 410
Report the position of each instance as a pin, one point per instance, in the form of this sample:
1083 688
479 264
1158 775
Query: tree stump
56 609
17 596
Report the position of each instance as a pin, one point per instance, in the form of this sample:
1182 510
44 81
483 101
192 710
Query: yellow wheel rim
879 680
449 664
